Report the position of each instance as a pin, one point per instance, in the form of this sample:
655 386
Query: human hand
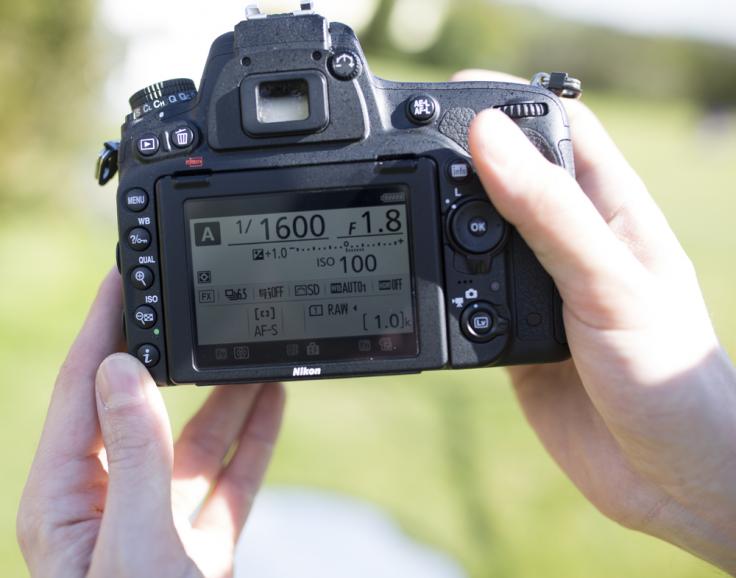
643 418
78 520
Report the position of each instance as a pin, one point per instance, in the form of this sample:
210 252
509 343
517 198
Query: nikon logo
307 371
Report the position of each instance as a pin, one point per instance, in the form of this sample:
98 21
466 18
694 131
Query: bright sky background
171 38
713 20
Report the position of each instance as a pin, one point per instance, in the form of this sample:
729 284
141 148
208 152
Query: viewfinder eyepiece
283 101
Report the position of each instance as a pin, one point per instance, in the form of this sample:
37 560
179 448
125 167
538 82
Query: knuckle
128 450
32 529
686 266
244 484
25 530
540 200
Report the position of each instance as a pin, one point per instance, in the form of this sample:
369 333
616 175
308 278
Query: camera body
299 218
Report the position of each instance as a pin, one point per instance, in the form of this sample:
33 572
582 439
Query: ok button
477 228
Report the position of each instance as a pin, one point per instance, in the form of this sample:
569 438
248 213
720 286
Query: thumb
555 217
137 437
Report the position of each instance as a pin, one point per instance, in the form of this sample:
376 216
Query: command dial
162 94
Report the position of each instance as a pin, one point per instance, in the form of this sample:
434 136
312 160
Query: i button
148 355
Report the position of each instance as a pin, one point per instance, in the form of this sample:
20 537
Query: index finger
596 155
71 428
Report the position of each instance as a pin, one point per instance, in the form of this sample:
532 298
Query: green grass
448 454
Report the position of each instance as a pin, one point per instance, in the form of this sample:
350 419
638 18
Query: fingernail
120 382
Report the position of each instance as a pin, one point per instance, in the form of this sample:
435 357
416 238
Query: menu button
136 200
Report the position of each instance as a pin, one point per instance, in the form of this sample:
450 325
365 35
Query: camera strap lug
107 162
561 83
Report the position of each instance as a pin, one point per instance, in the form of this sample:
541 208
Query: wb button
207 234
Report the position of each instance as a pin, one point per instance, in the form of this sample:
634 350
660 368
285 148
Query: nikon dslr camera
298 218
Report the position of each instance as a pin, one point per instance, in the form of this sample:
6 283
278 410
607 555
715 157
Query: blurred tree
480 33
376 38
47 75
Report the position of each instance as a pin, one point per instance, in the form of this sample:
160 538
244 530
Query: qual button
142 278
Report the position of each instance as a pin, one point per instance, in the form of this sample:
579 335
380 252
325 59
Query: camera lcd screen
302 277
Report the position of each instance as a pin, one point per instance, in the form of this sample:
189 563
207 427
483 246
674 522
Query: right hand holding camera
643 418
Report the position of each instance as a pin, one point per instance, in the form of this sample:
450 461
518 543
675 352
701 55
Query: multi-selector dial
158 96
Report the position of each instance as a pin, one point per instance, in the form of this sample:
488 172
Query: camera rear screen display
304 277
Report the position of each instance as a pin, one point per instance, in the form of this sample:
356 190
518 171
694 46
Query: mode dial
162 94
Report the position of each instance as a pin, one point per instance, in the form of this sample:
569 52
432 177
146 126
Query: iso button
139 239
145 317
477 228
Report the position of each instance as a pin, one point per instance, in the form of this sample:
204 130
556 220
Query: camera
297 217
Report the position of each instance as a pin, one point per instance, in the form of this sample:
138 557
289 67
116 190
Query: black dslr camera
298 217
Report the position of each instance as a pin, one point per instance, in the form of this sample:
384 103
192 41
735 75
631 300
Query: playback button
148 145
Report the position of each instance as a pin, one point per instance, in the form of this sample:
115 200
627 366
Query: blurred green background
448 454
